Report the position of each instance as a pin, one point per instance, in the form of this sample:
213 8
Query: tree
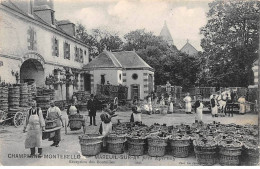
98 40
230 42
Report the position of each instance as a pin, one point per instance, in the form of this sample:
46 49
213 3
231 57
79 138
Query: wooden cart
17 116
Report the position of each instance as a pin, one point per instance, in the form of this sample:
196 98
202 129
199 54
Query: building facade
122 68
36 48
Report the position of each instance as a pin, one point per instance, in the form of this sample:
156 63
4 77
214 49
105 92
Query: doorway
135 90
87 82
32 71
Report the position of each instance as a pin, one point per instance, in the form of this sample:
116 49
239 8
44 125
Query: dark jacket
92 107
212 101
196 105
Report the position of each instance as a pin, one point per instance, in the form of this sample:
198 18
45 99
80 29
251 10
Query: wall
142 75
14 45
111 75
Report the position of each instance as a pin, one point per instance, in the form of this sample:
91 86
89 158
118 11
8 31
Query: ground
69 153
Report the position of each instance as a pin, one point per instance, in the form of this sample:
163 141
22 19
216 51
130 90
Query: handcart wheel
18 119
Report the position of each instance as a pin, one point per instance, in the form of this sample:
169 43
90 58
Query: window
124 80
81 55
103 80
55 47
31 39
120 76
66 50
76 54
124 74
134 76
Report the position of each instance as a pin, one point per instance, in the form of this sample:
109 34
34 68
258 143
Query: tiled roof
130 60
104 60
124 59
189 49
63 22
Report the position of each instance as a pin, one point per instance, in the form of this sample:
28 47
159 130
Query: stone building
189 49
125 68
35 47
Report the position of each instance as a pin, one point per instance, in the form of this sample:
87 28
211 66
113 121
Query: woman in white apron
105 127
136 116
199 110
187 101
34 125
171 107
214 107
242 105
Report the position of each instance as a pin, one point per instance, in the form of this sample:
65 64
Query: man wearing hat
91 106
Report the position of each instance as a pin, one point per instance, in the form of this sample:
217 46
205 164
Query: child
136 115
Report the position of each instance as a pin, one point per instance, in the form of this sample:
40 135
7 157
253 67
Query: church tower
166 35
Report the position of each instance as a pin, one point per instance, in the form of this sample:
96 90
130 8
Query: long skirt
199 114
214 110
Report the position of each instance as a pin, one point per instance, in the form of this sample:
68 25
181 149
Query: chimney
45 13
67 27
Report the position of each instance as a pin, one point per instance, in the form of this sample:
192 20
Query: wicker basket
205 155
136 146
156 146
230 155
76 121
206 158
90 144
50 124
252 155
116 143
180 147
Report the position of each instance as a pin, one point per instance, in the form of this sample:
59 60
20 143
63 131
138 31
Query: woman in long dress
214 107
187 101
199 110
242 105
35 125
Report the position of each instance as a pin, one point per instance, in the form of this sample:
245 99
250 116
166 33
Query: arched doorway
32 71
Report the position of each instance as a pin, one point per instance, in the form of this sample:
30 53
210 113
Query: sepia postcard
129 82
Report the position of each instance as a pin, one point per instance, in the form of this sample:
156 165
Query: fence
205 92
113 91
175 91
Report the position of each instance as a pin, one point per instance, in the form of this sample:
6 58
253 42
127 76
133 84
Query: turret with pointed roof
166 35
189 49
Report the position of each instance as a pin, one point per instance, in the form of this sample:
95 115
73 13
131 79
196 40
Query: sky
183 17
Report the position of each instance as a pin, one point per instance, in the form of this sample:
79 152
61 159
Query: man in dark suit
92 110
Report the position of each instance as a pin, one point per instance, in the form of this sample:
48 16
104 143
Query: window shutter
57 46
53 46
64 49
69 51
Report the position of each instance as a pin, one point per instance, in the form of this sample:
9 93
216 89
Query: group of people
222 104
35 122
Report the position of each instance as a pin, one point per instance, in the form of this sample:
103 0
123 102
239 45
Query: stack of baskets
30 97
14 97
180 146
157 146
136 145
4 98
90 144
43 102
116 143
49 92
24 99
205 151
76 121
